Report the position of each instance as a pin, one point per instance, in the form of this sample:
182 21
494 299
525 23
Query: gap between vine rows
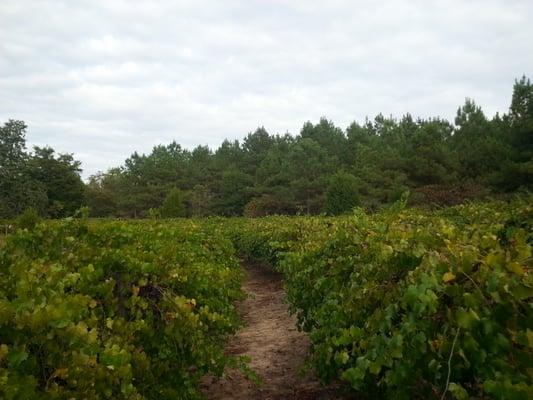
278 351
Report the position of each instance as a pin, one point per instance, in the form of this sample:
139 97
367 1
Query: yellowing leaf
342 357
515 267
448 277
494 259
458 391
4 350
61 373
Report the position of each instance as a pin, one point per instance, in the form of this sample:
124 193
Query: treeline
326 169
42 180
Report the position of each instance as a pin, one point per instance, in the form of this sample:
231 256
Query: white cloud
104 78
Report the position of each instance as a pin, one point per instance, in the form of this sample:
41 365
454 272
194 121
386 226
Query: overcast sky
103 78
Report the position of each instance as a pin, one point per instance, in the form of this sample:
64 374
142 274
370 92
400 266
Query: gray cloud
103 78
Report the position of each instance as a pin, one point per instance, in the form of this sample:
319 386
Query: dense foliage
408 304
439 162
342 194
116 310
402 304
174 205
42 180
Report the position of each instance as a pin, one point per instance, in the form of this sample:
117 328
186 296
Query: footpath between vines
277 349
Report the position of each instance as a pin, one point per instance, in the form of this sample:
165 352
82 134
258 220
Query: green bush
174 204
342 194
409 304
28 219
403 304
115 310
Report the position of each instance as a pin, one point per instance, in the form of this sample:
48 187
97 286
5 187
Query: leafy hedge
117 310
403 304
408 304
263 240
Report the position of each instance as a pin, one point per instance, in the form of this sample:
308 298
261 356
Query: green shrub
174 204
28 219
408 304
342 194
114 310
154 213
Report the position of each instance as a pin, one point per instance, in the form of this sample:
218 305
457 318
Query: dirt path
277 349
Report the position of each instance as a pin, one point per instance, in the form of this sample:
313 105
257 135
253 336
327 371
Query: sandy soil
277 349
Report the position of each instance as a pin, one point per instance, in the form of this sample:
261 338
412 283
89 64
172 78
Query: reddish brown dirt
277 349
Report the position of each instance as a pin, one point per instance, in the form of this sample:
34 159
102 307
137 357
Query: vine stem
450 364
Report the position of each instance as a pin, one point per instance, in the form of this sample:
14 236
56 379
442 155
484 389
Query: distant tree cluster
41 180
322 169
